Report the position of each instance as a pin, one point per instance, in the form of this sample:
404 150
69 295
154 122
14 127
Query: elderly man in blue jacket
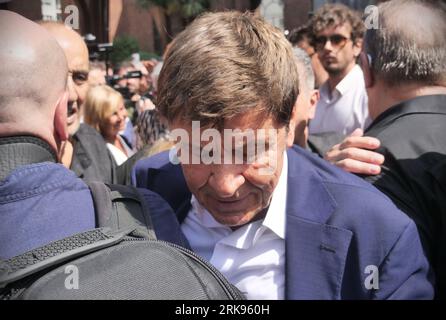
278 222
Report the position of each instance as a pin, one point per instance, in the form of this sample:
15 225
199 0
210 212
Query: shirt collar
276 216
351 80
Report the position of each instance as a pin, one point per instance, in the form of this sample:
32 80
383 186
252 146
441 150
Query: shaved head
33 69
70 41
76 52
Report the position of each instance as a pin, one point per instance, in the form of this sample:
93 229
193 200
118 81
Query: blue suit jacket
337 225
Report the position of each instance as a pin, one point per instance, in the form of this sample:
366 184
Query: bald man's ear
314 99
292 127
366 70
60 120
357 47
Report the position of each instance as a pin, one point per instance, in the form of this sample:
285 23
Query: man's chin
235 220
332 68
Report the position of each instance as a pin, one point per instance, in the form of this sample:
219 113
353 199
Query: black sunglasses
336 41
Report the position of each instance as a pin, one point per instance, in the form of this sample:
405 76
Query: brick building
153 29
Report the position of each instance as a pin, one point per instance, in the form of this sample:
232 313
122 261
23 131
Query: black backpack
120 260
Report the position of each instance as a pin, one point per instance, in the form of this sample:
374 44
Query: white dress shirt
251 257
345 108
119 156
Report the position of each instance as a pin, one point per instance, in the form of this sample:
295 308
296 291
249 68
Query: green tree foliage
149 55
123 48
187 8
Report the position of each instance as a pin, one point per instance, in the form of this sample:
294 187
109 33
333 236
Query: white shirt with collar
345 108
251 257
119 156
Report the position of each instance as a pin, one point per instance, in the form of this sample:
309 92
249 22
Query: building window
51 10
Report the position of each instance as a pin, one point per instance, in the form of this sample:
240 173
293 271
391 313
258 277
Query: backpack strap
119 207
57 252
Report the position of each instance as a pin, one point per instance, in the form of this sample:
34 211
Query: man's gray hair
410 44
304 66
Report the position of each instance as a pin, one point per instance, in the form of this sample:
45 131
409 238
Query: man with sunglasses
337 36
404 66
89 157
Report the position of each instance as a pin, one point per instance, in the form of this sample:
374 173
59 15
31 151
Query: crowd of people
355 146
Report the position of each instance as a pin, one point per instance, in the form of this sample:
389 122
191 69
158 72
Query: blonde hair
101 102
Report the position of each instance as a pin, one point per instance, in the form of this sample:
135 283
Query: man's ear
60 119
357 47
314 99
292 127
368 78
366 70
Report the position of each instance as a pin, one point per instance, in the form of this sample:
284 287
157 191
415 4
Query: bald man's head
76 52
33 73
71 42
33 69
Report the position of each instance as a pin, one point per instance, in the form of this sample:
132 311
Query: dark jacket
124 171
413 141
91 159
320 143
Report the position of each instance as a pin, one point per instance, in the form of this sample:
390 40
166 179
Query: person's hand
149 64
145 104
135 98
66 154
355 154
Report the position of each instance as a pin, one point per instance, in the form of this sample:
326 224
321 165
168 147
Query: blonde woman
104 110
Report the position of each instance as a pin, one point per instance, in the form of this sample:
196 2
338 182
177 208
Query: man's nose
225 180
328 45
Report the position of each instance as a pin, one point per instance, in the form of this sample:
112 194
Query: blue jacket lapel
315 251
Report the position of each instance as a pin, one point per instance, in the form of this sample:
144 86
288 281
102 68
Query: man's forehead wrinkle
76 58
